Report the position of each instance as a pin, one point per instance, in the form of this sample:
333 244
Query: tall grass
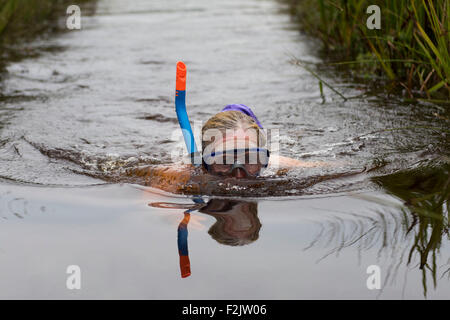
411 49
20 18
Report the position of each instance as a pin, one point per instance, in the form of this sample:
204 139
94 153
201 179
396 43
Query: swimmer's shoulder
276 160
177 171
165 177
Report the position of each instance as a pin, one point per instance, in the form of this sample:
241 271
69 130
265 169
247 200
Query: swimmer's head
232 130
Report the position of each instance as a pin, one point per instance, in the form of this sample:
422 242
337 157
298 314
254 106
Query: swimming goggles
251 160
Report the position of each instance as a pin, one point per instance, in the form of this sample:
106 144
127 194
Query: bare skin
289 163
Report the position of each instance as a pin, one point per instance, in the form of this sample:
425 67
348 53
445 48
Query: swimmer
241 139
240 129
233 147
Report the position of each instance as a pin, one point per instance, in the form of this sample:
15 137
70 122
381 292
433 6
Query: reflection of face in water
237 221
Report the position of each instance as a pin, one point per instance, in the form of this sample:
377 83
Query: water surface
99 102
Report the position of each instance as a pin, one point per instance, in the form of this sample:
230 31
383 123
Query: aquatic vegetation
27 18
411 49
24 20
426 192
21 17
412 230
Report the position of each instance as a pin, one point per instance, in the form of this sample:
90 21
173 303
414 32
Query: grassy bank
23 18
19 18
411 49
21 15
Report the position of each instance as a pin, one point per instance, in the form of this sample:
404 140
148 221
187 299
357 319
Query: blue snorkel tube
183 119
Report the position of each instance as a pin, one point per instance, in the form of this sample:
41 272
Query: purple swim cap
244 109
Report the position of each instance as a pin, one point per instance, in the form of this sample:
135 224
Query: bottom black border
227 309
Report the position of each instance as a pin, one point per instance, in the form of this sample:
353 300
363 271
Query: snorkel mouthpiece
183 119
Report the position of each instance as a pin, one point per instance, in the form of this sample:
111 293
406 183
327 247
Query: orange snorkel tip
181 76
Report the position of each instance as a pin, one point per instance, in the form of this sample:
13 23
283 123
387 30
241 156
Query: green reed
426 194
411 49
20 18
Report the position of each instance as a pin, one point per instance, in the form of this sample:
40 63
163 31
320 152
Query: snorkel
183 119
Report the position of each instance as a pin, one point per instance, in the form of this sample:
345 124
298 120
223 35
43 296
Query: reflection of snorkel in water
237 224
182 236
185 264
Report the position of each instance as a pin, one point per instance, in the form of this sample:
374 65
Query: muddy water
98 102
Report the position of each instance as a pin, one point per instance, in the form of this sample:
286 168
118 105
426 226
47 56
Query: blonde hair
227 120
